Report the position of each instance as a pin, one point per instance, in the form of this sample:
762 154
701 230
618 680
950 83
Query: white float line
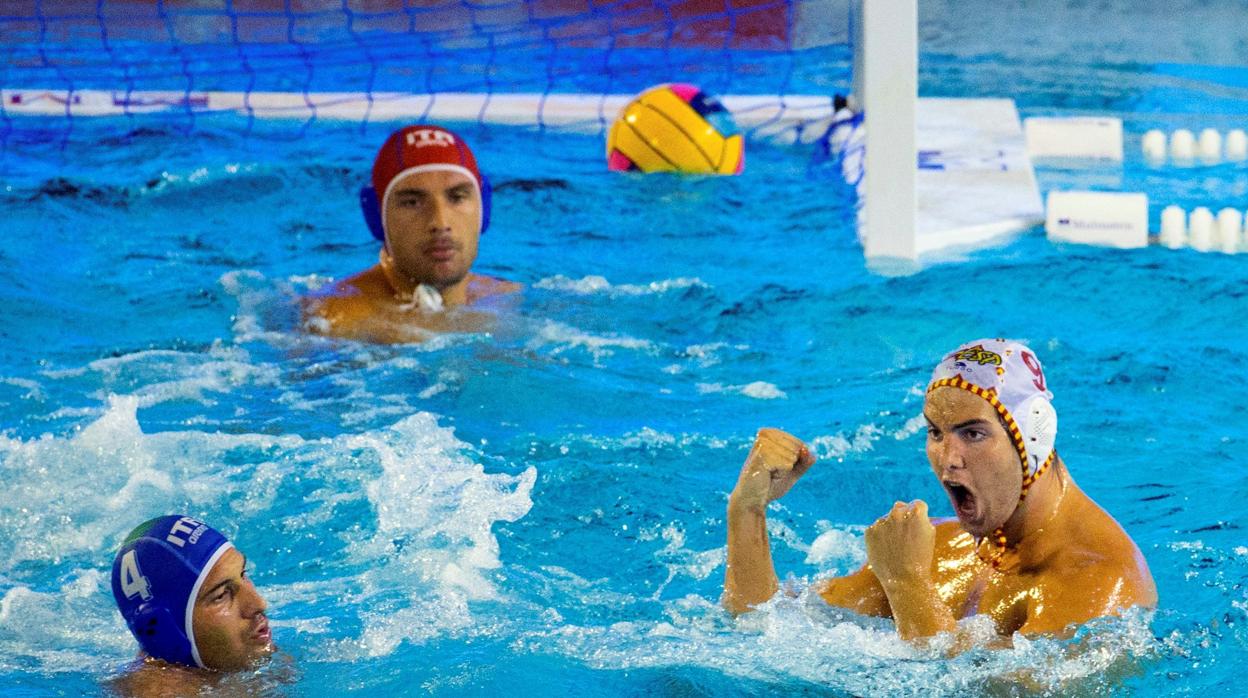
1120 219
1184 148
1100 138
1082 137
765 115
1202 231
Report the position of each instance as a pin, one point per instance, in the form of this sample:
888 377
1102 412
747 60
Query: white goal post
886 62
884 38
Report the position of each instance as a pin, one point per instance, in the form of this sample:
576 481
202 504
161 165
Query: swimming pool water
541 508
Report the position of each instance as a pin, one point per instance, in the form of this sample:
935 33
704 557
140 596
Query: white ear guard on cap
1009 376
1037 420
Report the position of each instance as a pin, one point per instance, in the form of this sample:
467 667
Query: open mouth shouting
965 504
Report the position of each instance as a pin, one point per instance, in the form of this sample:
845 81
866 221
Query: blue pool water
542 508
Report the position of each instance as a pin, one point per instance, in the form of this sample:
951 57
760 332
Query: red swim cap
421 148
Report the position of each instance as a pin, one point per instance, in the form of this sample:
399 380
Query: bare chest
404 317
973 588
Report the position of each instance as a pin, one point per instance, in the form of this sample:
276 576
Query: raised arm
775 462
900 550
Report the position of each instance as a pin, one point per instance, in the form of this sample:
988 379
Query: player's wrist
746 504
906 581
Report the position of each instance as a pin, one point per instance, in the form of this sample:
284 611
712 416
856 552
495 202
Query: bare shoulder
1093 569
342 308
1066 597
368 285
1105 550
155 679
1095 541
481 287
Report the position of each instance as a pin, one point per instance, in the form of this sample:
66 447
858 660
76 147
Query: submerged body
189 601
1079 566
367 307
1028 548
152 678
429 208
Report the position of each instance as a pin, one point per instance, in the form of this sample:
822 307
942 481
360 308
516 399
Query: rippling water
543 506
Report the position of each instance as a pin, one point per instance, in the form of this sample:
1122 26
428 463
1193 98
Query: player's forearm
750 578
917 609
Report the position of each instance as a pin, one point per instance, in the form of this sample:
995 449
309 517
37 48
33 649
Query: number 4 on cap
133 583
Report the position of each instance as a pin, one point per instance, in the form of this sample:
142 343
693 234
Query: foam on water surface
424 525
543 505
598 284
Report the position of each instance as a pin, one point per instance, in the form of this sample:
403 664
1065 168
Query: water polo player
184 592
428 206
1028 547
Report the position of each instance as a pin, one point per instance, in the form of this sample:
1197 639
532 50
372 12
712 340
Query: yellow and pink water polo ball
675 128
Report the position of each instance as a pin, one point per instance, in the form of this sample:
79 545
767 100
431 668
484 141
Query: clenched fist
900 544
777 460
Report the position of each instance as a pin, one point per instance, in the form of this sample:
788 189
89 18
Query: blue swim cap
156 577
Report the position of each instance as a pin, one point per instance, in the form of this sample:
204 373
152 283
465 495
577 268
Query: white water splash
841 545
914 425
839 445
36 625
425 513
558 338
759 390
590 285
162 375
645 437
799 640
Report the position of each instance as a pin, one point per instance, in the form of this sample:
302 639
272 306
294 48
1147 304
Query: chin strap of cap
998 538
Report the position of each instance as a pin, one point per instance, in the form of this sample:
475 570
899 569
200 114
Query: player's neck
456 293
405 288
1038 510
